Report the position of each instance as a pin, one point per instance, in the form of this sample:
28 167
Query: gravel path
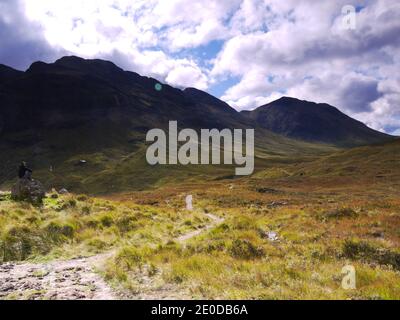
58 280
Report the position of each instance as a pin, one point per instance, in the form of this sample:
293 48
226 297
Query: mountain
8 74
55 114
73 91
313 122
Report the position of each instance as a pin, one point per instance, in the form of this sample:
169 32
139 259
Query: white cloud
303 51
187 76
127 31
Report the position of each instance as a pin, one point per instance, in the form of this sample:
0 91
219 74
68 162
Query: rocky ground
58 280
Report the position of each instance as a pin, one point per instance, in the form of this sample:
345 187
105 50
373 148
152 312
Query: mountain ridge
314 122
55 114
95 87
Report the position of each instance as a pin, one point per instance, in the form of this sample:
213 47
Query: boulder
28 190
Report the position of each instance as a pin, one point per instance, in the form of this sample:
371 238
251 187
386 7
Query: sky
246 52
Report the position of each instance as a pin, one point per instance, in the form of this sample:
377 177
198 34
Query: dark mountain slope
74 91
55 114
8 74
203 98
313 122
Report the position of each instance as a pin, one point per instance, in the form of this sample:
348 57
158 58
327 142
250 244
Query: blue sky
246 52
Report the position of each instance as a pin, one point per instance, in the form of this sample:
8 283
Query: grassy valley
286 232
116 158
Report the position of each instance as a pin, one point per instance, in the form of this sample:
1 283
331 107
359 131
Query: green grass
70 225
116 159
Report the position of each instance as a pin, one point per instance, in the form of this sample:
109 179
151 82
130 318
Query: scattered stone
272 236
63 191
269 235
275 204
81 162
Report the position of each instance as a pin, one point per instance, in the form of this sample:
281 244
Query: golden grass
326 216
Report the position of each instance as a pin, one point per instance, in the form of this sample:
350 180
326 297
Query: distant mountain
313 122
53 115
73 91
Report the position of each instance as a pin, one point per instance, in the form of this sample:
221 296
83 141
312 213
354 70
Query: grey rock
28 190
81 162
63 191
272 236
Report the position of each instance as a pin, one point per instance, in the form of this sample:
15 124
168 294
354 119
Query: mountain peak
315 122
77 62
73 65
69 59
38 66
287 99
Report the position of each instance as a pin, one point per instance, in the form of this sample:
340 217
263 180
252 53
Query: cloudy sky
247 52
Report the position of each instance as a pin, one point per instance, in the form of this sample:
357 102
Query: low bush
361 250
244 249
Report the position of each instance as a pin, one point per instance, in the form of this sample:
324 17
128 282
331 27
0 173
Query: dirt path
77 279
215 220
69 280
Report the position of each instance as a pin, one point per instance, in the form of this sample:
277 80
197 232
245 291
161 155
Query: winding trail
78 279
215 221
